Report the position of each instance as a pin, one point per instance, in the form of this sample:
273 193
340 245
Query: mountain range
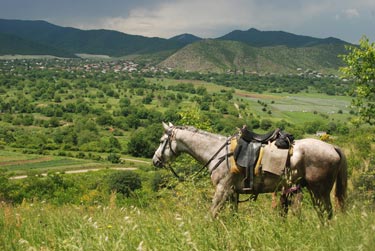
253 50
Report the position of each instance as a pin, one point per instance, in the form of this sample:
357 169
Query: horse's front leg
234 199
222 193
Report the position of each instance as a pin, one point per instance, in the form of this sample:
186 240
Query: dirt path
79 171
238 109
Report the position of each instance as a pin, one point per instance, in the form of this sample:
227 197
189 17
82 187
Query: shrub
124 182
265 124
114 158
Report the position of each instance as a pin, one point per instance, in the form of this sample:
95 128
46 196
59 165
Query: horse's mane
195 130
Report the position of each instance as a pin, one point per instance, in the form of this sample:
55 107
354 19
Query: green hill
251 50
103 42
13 45
186 38
259 38
220 56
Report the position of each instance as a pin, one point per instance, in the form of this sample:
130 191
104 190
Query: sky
348 20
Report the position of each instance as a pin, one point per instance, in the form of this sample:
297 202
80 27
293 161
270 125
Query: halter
168 141
170 134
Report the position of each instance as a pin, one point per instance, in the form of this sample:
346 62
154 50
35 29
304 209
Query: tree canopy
360 66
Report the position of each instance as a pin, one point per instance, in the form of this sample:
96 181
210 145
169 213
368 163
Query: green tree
114 158
265 124
144 141
360 66
125 182
195 117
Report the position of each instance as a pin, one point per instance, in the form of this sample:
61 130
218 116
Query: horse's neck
201 146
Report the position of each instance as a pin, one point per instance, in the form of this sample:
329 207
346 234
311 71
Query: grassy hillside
220 56
180 223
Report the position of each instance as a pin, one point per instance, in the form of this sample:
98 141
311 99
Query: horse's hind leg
328 206
296 206
322 203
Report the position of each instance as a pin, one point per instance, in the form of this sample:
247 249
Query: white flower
140 246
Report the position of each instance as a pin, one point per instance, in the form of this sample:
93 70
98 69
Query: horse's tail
341 180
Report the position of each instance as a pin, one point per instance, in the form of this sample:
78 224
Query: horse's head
167 147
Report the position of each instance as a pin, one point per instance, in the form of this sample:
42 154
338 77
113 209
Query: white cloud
351 13
213 18
210 18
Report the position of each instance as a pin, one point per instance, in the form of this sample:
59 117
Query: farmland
57 116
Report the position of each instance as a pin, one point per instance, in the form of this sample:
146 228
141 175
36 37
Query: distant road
83 171
137 160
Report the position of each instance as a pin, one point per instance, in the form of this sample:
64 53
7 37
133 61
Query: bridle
168 141
171 136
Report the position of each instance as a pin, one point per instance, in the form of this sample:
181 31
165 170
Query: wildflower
23 241
140 246
109 226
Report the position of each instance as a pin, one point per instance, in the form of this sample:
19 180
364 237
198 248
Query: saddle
250 136
248 148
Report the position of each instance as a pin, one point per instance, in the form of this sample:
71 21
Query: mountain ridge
108 42
223 55
259 38
252 49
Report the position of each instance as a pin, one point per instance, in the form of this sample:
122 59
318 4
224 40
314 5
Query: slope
12 45
220 56
106 42
259 38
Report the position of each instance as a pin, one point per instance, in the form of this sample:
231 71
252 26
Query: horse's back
315 159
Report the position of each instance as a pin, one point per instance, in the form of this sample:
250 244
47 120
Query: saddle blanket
274 159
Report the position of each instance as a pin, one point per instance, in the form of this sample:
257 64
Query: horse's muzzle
156 161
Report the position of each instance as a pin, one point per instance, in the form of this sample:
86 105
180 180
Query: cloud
210 18
351 13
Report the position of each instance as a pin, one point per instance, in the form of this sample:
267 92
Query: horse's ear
170 124
166 127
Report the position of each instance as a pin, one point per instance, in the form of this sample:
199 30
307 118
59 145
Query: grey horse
314 164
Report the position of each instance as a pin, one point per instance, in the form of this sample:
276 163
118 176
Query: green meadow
181 222
65 117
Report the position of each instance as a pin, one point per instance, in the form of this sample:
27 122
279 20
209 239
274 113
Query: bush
144 141
114 158
265 124
124 182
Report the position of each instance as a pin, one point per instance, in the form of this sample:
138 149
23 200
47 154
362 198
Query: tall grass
179 220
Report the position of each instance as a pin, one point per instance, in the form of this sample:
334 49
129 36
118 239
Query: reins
207 163
214 156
